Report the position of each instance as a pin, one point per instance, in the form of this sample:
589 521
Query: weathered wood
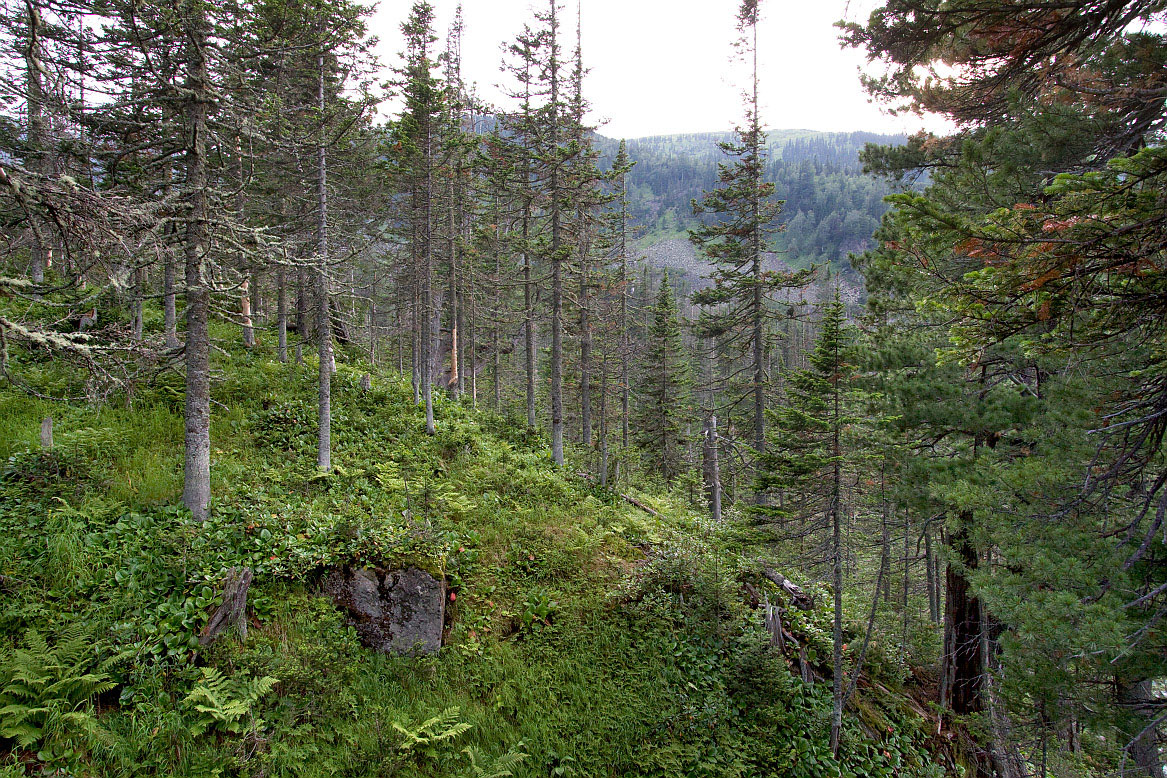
774 626
626 497
47 433
798 598
232 610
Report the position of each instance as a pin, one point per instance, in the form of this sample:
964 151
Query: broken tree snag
798 598
774 626
233 609
47 433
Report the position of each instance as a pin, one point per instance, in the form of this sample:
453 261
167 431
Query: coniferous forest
354 424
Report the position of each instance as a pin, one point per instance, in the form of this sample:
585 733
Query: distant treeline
831 207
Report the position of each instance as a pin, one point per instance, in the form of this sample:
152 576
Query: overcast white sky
663 66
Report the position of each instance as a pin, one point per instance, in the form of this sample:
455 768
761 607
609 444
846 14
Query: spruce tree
663 408
739 302
813 442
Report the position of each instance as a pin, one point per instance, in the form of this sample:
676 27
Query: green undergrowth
585 637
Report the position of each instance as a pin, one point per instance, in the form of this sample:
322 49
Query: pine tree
663 406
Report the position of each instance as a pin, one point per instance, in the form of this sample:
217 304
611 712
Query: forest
353 424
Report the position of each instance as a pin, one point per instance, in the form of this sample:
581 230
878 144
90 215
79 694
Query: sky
664 66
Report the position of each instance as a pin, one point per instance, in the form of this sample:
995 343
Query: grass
593 637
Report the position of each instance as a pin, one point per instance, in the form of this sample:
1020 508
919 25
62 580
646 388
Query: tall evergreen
813 441
739 303
664 389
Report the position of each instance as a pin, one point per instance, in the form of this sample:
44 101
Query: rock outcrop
393 611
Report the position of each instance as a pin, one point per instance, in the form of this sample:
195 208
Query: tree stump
232 610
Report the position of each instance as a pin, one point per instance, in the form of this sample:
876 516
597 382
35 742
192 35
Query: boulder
393 611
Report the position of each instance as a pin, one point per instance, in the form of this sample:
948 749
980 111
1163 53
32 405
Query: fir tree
738 304
809 456
664 389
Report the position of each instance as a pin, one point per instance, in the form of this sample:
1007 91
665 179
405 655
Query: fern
226 702
497 768
46 691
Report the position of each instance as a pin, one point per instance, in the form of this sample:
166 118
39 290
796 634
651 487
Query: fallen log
626 497
798 598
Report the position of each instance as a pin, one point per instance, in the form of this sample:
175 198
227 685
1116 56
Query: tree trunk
556 242
604 423
245 314
713 470
169 312
139 294
196 490
282 312
962 666
585 344
36 134
529 321
324 323
837 570
1139 698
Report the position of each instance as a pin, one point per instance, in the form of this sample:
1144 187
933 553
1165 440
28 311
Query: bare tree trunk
604 423
282 312
169 312
139 293
36 134
196 490
529 325
324 323
556 243
427 292
301 304
930 574
245 314
713 469
455 382
585 343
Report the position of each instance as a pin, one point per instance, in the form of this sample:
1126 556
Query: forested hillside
346 431
831 210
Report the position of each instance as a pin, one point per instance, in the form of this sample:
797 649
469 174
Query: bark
36 134
529 321
196 490
455 382
930 573
232 611
1139 698
245 314
585 345
139 294
798 598
712 469
323 325
169 312
556 258
282 312
604 424
837 555
301 303
962 665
